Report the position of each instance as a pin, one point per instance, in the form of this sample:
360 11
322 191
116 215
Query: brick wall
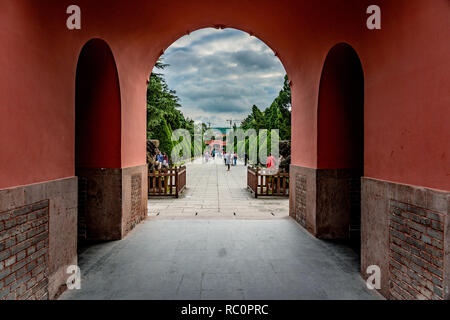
416 239
135 197
355 211
136 200
24 252
300 199
82 207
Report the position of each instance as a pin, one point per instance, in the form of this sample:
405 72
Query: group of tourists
230 159
212 155
162 160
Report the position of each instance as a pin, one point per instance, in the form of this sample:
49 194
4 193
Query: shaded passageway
195 247
220 259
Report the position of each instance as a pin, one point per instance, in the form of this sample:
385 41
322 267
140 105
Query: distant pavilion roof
216 142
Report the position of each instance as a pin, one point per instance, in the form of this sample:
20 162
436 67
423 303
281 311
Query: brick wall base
112 202
117 196
135 197
44 210
405 231
24 252
326 201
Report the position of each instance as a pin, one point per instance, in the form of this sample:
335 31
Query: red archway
98 108
97 143
340 145
341 110
406 104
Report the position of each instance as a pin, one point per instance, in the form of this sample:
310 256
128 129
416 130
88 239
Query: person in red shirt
270 162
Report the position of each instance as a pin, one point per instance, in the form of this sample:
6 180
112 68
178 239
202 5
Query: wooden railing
169 182
263 183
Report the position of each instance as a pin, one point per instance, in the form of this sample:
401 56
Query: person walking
228 160
246 159
235 157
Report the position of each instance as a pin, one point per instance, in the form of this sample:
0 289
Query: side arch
98 144
341 110
98 108
340 146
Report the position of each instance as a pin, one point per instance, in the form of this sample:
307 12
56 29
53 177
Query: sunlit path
214 192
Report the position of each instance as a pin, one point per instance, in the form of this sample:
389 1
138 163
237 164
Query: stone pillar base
111 202
114 201
51 207
405 231
134 197
326 201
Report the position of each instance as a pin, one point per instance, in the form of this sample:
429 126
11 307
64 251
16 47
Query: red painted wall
407 112
406 74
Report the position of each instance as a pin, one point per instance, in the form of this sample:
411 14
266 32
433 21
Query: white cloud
220 74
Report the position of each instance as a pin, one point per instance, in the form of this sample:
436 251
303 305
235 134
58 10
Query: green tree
276 116
163 114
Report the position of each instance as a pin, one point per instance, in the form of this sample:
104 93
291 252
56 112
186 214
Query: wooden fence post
177 185
256 182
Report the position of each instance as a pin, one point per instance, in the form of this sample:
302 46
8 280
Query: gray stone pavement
216 255
213 192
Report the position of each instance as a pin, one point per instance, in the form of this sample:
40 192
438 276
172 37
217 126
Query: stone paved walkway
213 192
216 255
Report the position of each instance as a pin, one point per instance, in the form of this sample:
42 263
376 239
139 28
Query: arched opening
340 146
234 89
98 143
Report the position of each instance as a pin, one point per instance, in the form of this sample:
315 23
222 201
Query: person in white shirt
228 160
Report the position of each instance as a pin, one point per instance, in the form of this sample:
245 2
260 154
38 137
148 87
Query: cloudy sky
220 74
